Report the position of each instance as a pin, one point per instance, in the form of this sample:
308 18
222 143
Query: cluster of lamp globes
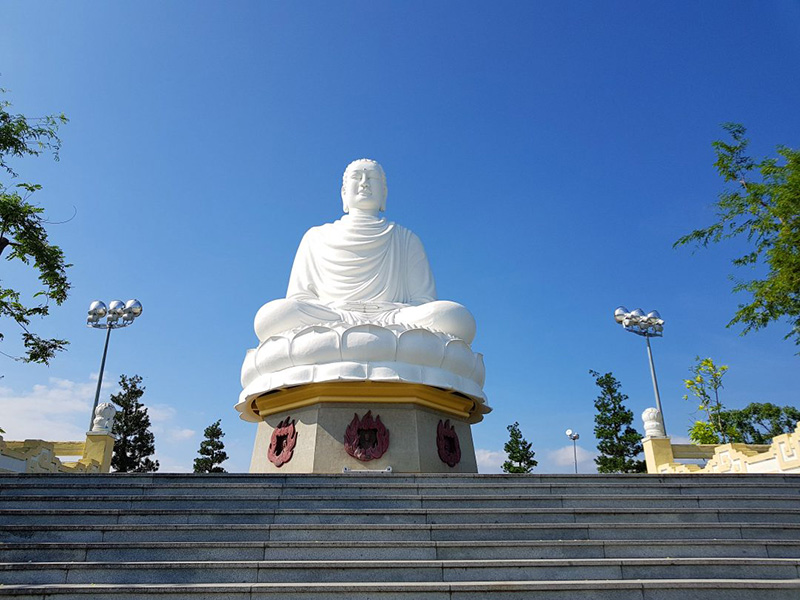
116 310
650 324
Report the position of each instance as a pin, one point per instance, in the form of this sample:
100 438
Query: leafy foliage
619 443
211 451
135 442
22 230
518 450
705 384
763 207
703 432
758 423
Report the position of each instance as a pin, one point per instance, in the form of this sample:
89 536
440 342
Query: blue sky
547 154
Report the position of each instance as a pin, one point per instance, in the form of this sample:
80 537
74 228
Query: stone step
395 571
407 516
396 550
653 589
334 488
396 532
389 536
280 480
389 501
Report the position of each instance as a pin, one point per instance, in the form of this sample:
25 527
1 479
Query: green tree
518 450
763 206
705 384
618 443
23 233
135 442
758 423
212 451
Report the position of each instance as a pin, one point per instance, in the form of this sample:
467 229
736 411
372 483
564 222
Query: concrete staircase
387 536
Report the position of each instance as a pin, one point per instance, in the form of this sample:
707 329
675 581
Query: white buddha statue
362 269
361 306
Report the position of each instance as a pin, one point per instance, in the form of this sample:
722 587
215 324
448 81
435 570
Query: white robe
362 269
361 260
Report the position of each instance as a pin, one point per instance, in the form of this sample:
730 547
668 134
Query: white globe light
619 314
133 308
115 309
97 309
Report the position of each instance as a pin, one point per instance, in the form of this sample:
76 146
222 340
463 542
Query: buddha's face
363 187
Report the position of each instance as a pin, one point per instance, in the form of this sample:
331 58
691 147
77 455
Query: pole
655 383
575 455
100 378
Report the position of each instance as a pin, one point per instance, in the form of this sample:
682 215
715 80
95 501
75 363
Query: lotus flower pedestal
363 397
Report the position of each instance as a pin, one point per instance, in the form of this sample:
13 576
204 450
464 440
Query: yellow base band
450 403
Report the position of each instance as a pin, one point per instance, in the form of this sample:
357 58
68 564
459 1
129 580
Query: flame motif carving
447 443
281 446
367 438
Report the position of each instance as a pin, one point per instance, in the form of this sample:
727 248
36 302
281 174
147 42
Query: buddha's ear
345 206
383 202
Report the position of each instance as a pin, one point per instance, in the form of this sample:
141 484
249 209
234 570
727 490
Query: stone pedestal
411 428
99 447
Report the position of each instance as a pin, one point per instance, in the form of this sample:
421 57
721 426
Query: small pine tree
135 442
520 455
617 441
211 451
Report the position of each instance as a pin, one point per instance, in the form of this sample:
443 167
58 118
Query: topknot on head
358 160
369 161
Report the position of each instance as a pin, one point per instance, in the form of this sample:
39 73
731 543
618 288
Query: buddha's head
364 186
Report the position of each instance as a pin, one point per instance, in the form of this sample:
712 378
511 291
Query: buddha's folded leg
439 315
287 313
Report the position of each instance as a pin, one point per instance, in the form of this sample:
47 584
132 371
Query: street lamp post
574 436
646 325
116 310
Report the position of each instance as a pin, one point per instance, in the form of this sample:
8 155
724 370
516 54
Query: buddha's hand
369 307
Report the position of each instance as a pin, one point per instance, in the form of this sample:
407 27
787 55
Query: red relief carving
281 446
366 438
447 443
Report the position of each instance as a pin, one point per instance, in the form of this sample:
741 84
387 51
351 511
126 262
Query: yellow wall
39 456
782 456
